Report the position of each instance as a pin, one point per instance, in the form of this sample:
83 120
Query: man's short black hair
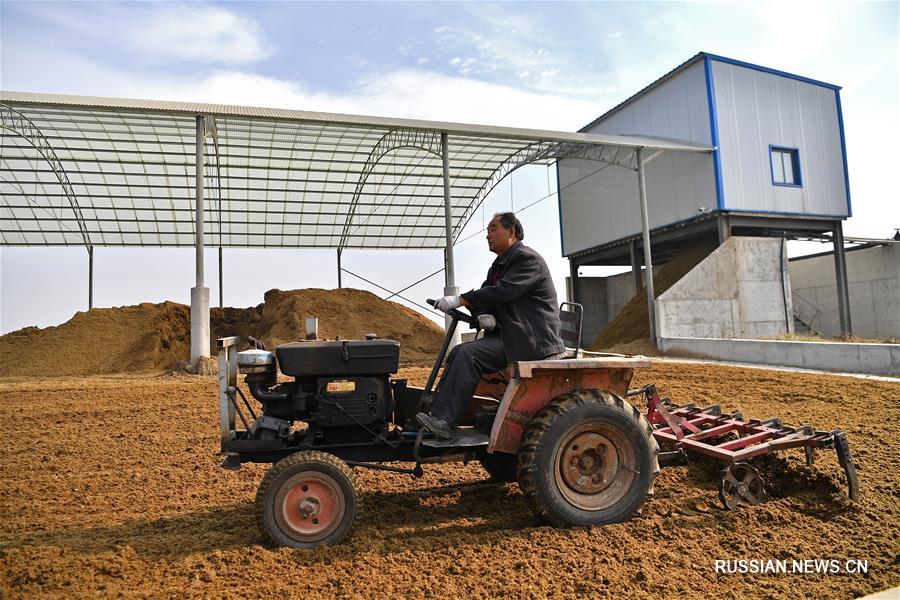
510 221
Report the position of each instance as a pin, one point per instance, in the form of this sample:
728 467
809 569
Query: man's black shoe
438 427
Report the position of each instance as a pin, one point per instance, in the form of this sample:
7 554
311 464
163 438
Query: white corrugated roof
120 172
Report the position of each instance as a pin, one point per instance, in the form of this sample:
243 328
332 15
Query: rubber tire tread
540 431
265 517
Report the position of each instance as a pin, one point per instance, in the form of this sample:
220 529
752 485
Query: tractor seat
570 317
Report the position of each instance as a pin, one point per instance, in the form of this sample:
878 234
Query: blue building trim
799 173
747 65
714 133
840 115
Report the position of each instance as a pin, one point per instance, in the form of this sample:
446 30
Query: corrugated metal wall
603 205
758 109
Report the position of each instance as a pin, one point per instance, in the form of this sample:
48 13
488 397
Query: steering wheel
457 314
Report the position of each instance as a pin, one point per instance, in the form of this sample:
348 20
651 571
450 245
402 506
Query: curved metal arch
18 123
395 139
612 155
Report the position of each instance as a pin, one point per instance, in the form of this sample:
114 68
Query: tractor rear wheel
306 500
587 458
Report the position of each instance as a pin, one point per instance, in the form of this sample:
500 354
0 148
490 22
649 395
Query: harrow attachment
733 440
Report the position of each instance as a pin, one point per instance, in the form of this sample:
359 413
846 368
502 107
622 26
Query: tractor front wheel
587 458
306 500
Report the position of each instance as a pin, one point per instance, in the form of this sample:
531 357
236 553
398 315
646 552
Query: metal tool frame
690 428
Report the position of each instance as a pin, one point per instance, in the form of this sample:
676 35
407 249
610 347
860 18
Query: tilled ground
111 486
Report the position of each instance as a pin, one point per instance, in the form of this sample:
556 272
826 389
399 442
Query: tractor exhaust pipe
263 393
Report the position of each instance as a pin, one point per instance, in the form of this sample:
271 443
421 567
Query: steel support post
339 251
724 228
199 293
450 288
221 293
90 250
840 272
573 281
636 275
198 204
648 261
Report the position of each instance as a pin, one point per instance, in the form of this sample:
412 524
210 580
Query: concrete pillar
648 261
450 288
636 275
840 273
199 323
199 294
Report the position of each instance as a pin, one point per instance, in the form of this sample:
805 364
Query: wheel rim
309 506
594 466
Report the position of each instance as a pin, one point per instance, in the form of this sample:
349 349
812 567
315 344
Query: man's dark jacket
519 292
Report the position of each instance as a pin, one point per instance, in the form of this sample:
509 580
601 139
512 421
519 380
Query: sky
555 65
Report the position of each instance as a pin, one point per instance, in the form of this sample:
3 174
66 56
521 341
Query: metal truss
13 120
547 151
395 139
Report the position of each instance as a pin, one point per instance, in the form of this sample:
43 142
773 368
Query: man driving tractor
517 308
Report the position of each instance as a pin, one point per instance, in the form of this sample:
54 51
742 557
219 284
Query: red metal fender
535 383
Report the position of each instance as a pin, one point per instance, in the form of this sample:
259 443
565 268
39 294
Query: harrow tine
810 455
845 458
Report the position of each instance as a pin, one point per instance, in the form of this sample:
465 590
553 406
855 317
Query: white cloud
161 32
196 32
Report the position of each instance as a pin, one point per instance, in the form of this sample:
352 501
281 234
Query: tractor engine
341 390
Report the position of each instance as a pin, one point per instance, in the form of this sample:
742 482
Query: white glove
487 322
447 303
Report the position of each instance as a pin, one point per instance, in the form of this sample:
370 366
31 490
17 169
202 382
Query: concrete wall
873 276
882 359
741 290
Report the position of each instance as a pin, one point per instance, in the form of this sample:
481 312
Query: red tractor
582 454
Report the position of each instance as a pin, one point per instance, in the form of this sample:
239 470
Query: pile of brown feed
632 322
150 338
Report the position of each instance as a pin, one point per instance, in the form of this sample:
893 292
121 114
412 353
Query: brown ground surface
110 486
154 337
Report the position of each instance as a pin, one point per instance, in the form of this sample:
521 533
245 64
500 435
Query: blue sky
543 65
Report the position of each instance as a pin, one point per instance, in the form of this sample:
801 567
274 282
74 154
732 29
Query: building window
785 166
